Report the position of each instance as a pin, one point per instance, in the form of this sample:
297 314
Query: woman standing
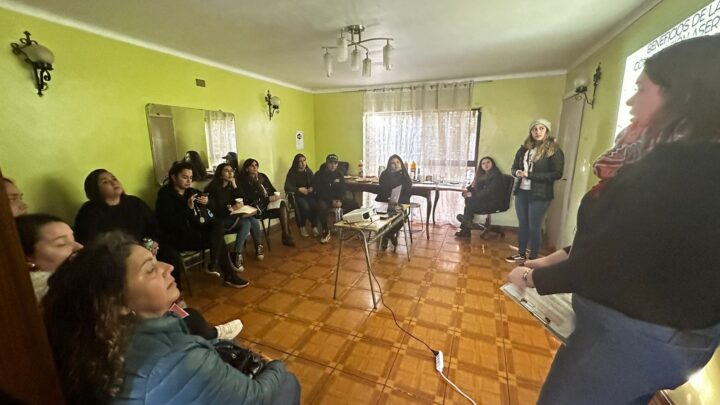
113 339
644 292
485 193
538 164
187 222
259 192
224 191
299 181
395 175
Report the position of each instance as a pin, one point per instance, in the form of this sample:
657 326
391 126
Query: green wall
598 127
508 107
93 114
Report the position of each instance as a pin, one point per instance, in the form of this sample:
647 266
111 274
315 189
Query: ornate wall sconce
581 87
39 57
273 103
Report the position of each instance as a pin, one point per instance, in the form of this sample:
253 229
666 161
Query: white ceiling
281 39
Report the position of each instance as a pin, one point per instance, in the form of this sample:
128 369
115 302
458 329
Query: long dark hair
217 180
244 171
87 320
481 174
198 166
403 170
28 227
687 73
175 169
294 166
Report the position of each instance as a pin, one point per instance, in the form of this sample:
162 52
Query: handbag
244 360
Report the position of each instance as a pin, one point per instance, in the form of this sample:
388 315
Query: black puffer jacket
543 175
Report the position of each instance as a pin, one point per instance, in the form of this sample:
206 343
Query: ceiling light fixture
341 50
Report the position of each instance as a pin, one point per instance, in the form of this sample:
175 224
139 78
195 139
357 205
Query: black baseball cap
331 158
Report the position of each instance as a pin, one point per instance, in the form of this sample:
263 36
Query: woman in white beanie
538 163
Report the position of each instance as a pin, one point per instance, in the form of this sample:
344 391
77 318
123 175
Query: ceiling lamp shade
340 50
327 58
387 56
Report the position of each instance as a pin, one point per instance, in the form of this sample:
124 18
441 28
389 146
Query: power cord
436 353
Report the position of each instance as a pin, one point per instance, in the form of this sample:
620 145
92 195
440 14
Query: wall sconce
39 57
273 103
581 87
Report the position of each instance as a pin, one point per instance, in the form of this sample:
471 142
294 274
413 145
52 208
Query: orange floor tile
345 352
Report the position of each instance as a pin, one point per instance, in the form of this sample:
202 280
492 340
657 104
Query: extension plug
439 361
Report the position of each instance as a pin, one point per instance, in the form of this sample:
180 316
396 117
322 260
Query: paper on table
554 311
273 205
245 210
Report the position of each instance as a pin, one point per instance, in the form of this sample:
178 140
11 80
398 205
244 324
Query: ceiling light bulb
342 51
355 60
580 82
328 63
367 67
387 56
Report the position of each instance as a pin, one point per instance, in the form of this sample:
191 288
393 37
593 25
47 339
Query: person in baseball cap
331 158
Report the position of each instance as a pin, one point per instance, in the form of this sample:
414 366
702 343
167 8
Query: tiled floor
344 352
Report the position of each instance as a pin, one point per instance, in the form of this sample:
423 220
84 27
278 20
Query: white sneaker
325 238
303 232
315 231
228 331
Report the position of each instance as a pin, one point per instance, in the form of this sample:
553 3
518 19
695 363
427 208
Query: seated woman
113 340
15 197
393 176
485 193
329 186
299 181
224 191
46 242
187 222
110 209
260 192
199 168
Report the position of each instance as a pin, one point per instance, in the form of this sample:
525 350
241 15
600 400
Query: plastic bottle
413 168
361 172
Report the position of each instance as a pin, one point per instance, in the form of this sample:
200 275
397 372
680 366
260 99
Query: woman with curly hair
113 339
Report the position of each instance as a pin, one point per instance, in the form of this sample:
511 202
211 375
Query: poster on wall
299 140
705 21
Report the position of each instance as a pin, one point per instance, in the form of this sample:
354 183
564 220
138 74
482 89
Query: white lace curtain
432 125
220 135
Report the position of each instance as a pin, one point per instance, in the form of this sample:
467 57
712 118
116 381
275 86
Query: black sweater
174 216
131 215
490 190
388 181
253 192
543 175
222 197
647 244
296 179
329 186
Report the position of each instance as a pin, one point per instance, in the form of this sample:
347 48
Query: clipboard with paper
554 312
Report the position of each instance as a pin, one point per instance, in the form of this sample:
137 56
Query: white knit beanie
541 121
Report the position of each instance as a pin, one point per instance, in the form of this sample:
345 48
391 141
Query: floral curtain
432 125
220 135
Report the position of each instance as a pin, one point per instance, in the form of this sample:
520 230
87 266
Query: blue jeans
305 210
530 215
614 359
247 225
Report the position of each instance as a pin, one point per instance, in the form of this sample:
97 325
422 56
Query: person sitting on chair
260 192
393 176
187 222
114 340
299 181
199 168
484 194
329 186
224 191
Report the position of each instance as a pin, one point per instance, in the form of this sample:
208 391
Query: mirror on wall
176 130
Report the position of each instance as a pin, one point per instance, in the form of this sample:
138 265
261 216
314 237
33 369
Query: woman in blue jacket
106 313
